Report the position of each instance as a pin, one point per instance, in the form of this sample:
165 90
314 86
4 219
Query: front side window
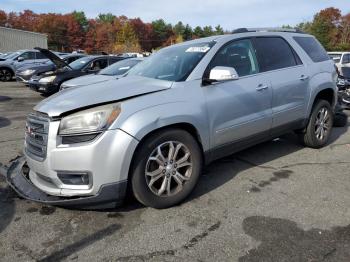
28 55
274 53
98 64
173 63
240 55
313 48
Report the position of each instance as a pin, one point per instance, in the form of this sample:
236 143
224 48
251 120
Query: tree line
117 34
107 32
331 28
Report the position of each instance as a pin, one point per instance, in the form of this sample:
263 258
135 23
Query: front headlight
27 72
48 79
89 121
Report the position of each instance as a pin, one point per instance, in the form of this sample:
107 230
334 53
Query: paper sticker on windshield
198 49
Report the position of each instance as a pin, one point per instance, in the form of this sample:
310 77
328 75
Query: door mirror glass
223 73
20 59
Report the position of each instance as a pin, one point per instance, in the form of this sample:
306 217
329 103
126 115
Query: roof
19 30
338 53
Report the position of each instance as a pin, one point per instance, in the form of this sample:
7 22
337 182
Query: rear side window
28 55
313 48
274 53
40 56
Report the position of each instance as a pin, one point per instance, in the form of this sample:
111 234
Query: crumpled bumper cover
109 195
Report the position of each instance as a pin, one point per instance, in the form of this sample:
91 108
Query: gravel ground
276 201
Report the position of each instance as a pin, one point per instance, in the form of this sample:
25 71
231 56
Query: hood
88 80
94 94
59 63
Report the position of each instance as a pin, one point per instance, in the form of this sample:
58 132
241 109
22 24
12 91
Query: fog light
78 179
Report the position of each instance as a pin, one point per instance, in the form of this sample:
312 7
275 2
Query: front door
238 109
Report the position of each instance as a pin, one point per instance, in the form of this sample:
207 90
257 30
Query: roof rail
267 29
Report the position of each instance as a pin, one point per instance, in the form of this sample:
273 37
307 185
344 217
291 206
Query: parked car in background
186 105
109 73
131 55
10 63
343 83
25 73
340 59
50 82
5 54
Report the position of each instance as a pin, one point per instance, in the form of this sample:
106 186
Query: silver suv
10 63
151 131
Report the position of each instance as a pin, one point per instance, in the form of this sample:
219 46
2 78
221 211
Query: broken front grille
36 135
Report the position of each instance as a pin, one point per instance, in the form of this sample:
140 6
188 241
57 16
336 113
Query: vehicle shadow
4 122
223 170
7 204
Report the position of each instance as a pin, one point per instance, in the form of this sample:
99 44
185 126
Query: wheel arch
188 127
327 94
8 68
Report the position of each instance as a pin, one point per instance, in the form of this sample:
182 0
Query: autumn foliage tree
330 28
110 33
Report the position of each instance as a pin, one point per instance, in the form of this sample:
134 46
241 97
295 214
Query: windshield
80 63
119 68
172 63
345 72
335 57
12 55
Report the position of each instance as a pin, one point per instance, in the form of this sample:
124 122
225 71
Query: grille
37 130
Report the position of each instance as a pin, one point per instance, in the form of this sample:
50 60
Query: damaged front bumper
109 195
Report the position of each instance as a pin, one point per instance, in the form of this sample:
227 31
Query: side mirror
223 73
20 59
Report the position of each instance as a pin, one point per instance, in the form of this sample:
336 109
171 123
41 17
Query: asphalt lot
276 201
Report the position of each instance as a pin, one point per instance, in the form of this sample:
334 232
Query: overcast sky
228 13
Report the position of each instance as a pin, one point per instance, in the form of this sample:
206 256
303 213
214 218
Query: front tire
166 168
320 125
6 75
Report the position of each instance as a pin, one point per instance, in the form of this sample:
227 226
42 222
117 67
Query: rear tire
319 127
166 168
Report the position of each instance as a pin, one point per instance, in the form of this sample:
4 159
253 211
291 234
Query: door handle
303 77
262 87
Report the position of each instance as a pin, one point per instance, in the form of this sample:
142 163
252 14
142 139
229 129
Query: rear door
289 79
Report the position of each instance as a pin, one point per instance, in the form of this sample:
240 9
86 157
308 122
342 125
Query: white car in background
340 58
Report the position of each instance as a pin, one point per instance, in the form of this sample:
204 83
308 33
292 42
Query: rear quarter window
274 53
313 48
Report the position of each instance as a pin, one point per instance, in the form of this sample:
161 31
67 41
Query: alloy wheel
322 125
168 168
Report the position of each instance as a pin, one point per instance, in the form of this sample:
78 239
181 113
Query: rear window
274 53
313 48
